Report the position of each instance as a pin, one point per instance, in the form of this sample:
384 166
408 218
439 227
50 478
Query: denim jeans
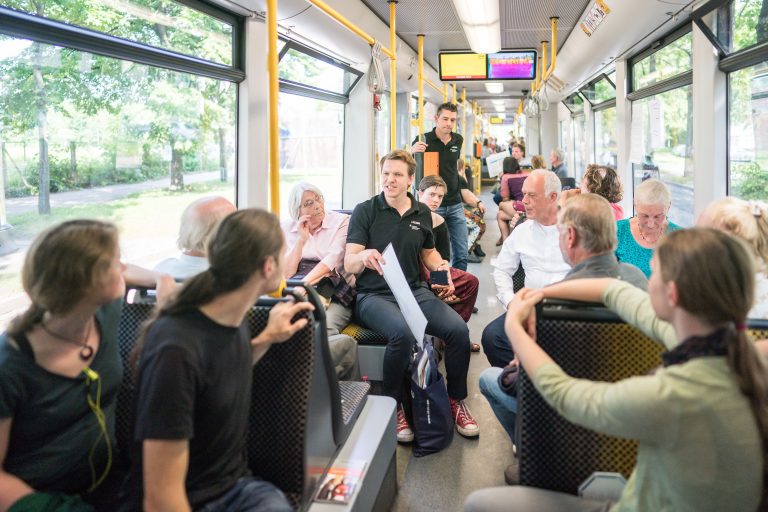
504 406
457 230
250 494
496 345
380 312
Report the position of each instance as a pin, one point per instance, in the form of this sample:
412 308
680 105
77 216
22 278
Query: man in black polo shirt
447 144
395 217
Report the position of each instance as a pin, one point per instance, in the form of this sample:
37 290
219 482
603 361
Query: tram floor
442 481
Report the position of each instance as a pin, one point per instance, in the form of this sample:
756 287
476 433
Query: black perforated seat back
518 279
276 441
588 343
131 320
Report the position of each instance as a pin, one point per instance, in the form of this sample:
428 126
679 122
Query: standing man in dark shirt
395 217
447 144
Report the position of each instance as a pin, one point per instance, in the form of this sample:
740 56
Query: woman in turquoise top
701 420
640 235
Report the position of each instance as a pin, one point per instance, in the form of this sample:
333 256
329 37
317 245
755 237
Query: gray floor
440 482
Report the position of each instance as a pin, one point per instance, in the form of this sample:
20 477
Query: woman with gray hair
639 235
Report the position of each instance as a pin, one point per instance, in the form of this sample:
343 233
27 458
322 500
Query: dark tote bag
430 407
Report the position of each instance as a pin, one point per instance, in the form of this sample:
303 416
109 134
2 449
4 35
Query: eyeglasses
309 203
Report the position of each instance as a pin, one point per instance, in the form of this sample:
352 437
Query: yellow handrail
553 50
393 76
333 13
453 88
463 115
445 93
433 85
274 134
421 85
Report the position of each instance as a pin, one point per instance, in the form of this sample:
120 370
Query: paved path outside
18 205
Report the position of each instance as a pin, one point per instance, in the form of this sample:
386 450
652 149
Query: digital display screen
519 65
462 66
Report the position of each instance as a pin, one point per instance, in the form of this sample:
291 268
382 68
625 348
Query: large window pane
311 147
579 158
109 139
162 23
605 137
662 147
563 137
672 60
748 133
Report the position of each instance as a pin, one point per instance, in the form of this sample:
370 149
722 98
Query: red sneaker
404 432
465 423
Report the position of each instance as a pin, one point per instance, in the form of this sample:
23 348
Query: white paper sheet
495 163
393 275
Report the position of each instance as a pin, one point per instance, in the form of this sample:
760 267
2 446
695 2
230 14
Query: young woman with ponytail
60 371
194 377
702 419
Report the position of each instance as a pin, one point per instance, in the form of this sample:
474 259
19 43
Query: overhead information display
462 66
506 65
512 65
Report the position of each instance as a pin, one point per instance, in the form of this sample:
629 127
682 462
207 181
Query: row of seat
302 419
590 342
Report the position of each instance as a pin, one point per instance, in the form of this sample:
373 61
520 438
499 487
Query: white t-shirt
183 267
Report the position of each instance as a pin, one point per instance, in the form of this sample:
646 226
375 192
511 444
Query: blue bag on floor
430 407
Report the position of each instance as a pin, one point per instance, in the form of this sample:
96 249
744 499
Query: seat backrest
568 183
290 438
757 328
137 309
588 342
518 279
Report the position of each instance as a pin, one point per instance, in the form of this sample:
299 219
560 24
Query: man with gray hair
534 245
557 159
198 222
587 239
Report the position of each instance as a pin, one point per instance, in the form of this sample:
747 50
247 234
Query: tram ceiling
524 24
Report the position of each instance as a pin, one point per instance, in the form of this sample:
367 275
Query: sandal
474 347
499 241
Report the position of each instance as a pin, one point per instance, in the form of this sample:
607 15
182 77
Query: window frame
574 113
673 82
292 87
43 30
592 83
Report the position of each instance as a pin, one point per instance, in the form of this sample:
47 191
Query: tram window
579 158
304 66
605 137
563 140
669 61
161 23
311 147
662 147
748 132
118 137
382 128
739 24
599 90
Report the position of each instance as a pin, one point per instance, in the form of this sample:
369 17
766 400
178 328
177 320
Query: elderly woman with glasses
315 241
639 236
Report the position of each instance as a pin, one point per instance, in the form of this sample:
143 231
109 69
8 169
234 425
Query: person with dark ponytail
60 371
195 364
701 420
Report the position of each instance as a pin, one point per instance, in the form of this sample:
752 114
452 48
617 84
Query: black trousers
381 313
496 345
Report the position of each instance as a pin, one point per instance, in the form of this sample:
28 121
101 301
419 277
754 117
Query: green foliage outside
84 120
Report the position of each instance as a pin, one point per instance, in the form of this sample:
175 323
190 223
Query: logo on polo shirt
454 149
415 225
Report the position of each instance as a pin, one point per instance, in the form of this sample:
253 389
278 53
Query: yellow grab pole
453 89
553 50
463 116
274 134
543 57
421 85
393 76
433 85
333 13
445 93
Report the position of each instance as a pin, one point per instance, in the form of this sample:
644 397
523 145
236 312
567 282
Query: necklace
86 351
640 232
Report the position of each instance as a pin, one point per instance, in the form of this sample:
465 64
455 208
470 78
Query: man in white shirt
197 224
534 245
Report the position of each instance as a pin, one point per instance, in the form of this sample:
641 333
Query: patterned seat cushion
364 336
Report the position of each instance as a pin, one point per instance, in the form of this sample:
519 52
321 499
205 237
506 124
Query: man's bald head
199 221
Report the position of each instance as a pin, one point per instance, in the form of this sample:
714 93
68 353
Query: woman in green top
701 420
60 371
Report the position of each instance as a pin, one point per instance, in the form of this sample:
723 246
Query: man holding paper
395 217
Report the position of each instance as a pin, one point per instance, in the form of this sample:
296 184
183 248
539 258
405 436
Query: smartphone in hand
439 277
